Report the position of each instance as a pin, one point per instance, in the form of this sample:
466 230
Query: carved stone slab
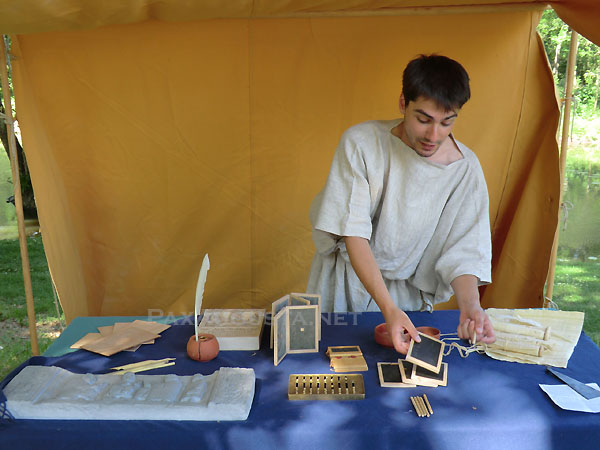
40 392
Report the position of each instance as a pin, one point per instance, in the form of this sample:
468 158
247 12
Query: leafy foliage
577 282
556 36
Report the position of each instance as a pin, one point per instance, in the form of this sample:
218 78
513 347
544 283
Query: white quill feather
200 291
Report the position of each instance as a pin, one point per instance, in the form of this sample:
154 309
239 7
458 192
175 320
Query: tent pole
564 144
14 164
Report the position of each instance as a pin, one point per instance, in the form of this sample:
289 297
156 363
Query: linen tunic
426 223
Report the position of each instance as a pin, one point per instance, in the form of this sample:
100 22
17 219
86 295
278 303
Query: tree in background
556 37
580 239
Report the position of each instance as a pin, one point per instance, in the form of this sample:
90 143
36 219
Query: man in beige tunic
402 222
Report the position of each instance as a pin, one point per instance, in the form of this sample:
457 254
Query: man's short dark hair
438 78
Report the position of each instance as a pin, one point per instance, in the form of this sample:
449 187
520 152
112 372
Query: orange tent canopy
33 16
158 131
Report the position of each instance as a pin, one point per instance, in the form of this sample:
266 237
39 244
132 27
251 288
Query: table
487 404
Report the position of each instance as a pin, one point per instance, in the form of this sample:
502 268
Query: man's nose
432 133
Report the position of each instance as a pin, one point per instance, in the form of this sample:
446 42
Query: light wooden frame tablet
302 334
279 304
405 371
425 377
428 353
280 327
389 375
313 299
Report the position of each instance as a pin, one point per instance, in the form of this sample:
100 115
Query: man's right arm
364 264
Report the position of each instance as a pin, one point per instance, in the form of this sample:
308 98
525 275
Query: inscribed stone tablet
40 392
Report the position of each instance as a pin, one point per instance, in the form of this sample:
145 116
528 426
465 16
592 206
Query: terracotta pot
382 337
430 331
203 349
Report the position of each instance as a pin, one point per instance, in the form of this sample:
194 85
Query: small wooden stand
347 359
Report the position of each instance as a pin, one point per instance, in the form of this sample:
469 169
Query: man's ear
402 104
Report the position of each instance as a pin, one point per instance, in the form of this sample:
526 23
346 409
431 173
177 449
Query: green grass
577 288
12 294
8 231
14 337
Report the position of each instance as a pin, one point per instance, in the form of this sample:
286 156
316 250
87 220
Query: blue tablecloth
488 404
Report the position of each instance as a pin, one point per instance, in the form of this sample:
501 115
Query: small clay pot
382 337
203 349
430 331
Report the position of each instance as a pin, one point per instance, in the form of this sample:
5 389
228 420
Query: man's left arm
472 316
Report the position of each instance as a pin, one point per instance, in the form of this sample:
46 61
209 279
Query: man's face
426 126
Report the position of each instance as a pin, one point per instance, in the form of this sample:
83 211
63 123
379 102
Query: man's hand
473 319
396 322
475 322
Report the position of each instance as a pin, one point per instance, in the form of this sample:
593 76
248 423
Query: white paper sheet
568 399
